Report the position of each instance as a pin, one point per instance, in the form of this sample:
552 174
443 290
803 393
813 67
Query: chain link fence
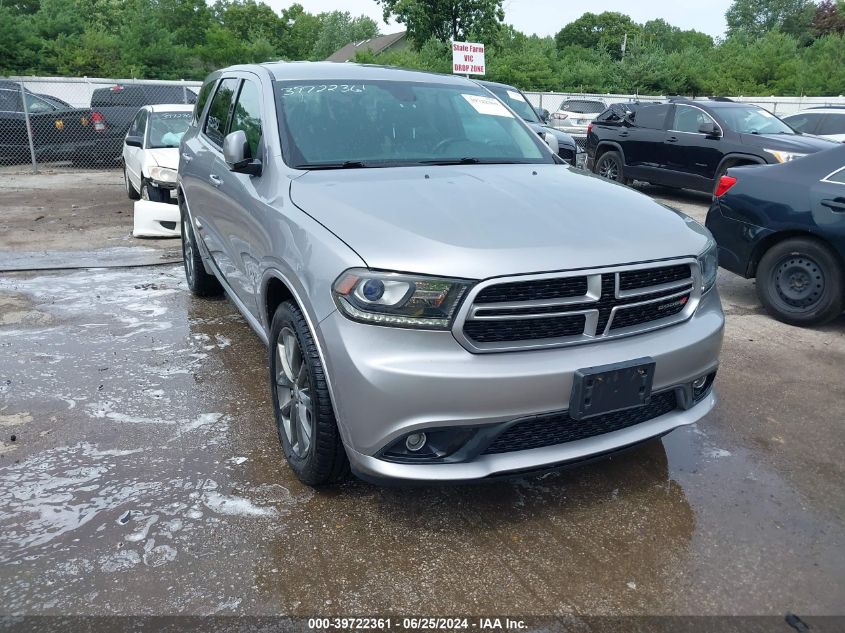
63 123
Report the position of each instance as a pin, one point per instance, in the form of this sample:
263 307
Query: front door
692 156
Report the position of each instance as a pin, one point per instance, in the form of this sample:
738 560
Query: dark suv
690 144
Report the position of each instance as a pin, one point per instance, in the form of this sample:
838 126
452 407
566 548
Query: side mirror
238 156
551 141
710 129
135 141
544 115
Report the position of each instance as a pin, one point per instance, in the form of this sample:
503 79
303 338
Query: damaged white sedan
150 160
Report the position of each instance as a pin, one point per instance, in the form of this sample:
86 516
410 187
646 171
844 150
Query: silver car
442 297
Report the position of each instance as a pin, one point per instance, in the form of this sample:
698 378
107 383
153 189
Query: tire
201 283
153 193
801 282
611 166
130 189
301 402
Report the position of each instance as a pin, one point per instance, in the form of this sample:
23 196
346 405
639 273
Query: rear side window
832 124
218 111
805 123
101 98
10 101
205 93
652 117
247 115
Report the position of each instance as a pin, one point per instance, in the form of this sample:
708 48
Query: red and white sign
467 58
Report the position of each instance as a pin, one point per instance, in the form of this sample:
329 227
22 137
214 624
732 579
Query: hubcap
609 169
799 281
187 250
293 388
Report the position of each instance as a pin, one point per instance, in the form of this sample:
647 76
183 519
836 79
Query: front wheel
611 166
301 401
800 282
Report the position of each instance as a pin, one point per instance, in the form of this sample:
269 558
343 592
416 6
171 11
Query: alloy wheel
293 388
609 169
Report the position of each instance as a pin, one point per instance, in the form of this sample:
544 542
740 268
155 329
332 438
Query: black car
59 131
518 102
689 144
785 225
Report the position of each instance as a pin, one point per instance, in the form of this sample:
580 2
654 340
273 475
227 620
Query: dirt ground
141 474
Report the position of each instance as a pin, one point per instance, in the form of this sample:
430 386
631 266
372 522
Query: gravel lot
141 473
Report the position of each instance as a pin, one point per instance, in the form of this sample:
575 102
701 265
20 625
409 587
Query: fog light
698 384
415 442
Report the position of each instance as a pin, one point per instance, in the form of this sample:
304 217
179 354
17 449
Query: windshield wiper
348 164
451 161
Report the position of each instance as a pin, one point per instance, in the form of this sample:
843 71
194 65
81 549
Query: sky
547 17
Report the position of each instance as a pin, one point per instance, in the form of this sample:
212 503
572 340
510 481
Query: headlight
398 300
163 174
708 263
783 157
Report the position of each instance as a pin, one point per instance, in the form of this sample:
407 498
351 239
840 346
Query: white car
151 151
827 122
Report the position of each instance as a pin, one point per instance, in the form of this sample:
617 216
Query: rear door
828 198
692 157
201 166
644 143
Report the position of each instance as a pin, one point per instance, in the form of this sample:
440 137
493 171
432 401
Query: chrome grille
557 309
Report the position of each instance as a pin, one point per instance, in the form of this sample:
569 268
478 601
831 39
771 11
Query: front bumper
388 382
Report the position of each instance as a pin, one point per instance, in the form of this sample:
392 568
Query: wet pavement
145 477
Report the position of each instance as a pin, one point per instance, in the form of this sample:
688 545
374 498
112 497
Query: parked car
440 300
785 226
690 144
574 115
118 105
59 131
151 151
517 101
827 122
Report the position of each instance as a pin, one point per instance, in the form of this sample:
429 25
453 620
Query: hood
563 139
480 221
802 143
164 157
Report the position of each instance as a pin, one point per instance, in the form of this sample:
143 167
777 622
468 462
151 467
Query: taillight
589 128
725 183
98 121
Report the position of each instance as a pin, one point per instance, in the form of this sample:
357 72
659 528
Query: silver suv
442 297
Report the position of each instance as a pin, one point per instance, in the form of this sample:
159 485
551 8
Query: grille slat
549 322
559 428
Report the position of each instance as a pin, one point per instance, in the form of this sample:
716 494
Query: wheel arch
776 238
737 160
609 146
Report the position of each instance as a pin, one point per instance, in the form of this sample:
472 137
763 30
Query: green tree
604 30
755 18
446 20
339 28
303 29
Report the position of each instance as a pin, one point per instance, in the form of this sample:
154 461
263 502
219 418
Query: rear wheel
199 281
611 166
301 402
800 282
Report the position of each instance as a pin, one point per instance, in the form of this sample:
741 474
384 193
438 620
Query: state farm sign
467 58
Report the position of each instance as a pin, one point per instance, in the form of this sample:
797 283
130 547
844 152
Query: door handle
835 205
187 157
623 133
672 139
215 180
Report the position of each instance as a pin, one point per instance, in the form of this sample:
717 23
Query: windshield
167 128
753 120
333 125
516 102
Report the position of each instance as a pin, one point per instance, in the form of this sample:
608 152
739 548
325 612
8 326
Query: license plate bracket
610 388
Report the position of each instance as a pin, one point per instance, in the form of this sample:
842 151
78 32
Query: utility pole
624 45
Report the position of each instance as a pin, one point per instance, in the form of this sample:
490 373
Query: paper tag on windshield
513 94
487 105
